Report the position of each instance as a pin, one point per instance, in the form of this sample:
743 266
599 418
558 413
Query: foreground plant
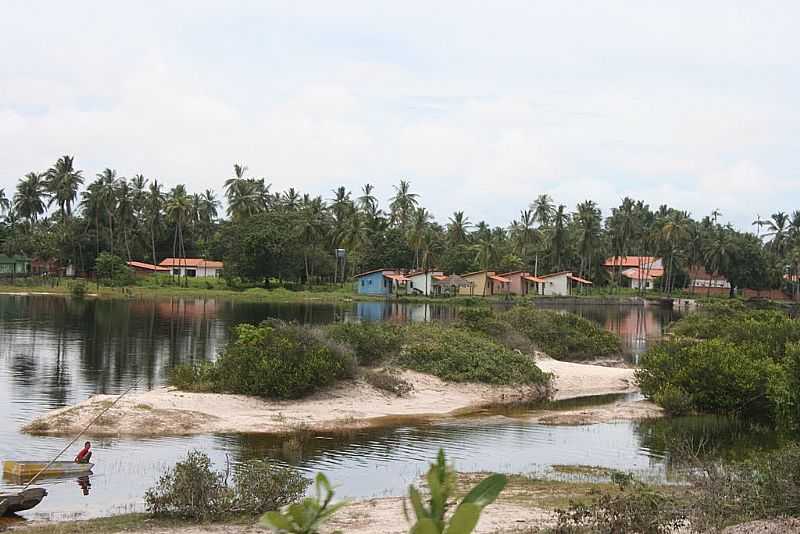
308 515
441 478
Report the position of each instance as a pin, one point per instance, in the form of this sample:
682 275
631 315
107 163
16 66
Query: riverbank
351 404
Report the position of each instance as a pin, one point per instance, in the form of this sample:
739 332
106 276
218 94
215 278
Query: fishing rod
98 416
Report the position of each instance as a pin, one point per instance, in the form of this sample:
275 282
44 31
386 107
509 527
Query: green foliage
78 289
563 335
371 342
674 399
308 515
193 490
274 360
431 517
113 269
457 355
727 359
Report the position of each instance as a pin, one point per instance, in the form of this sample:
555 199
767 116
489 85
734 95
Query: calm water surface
55 351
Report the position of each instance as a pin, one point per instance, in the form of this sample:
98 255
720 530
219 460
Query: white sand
350 404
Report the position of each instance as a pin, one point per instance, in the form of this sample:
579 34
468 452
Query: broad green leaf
486 491
425 526
464 520
275 521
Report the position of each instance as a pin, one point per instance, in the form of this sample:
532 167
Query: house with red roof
193 267
381 282
637 272
144 269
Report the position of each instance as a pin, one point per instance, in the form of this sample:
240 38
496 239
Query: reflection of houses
143 269
560 284
381 282
193 267
484 283
14 265
637 272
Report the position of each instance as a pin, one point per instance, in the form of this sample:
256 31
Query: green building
14 265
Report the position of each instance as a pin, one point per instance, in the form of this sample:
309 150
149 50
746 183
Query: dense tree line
61 214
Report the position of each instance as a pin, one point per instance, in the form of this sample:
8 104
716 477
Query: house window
191 272
362 282
176 271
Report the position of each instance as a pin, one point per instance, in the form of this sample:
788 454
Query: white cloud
483 109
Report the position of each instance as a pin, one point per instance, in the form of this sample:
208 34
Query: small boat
28 469
11 503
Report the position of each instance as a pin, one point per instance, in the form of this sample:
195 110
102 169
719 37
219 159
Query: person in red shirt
85 454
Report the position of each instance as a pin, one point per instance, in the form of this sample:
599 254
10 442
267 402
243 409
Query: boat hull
11 503
29 469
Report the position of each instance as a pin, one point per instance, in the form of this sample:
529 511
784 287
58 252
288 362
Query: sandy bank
350 404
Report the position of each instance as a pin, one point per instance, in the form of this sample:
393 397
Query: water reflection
637 325
55 351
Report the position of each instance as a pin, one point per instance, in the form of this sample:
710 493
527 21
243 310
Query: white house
193 267
421 282
560 284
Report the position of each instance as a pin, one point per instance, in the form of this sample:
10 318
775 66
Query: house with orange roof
193 267
524 283
561 283
637 272
484 284
144 269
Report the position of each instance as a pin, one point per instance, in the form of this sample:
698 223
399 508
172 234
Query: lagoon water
55 351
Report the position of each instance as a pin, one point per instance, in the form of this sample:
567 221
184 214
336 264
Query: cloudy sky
481 105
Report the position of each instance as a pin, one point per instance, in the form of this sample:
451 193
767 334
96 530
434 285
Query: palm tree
458 228
416 232
367 201
291 199
125 212
29 198
543 209
313 226
246 196
674 232
588 218
153 209
178 209
403 203
107 199
5 204
558 236
777 227
62 182
718 254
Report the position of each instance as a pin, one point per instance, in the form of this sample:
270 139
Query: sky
482 106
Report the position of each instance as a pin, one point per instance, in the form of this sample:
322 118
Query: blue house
380 282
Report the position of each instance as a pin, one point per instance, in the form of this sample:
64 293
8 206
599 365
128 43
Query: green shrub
193 376
462 356
718 376
674 400
193 490
78 289
112 269
563 335
371 342
275 360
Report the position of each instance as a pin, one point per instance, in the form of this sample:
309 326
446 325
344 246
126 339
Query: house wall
518 286
478 284
199 272
373 284
417 284
556 285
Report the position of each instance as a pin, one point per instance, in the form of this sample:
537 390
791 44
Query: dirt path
350 404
